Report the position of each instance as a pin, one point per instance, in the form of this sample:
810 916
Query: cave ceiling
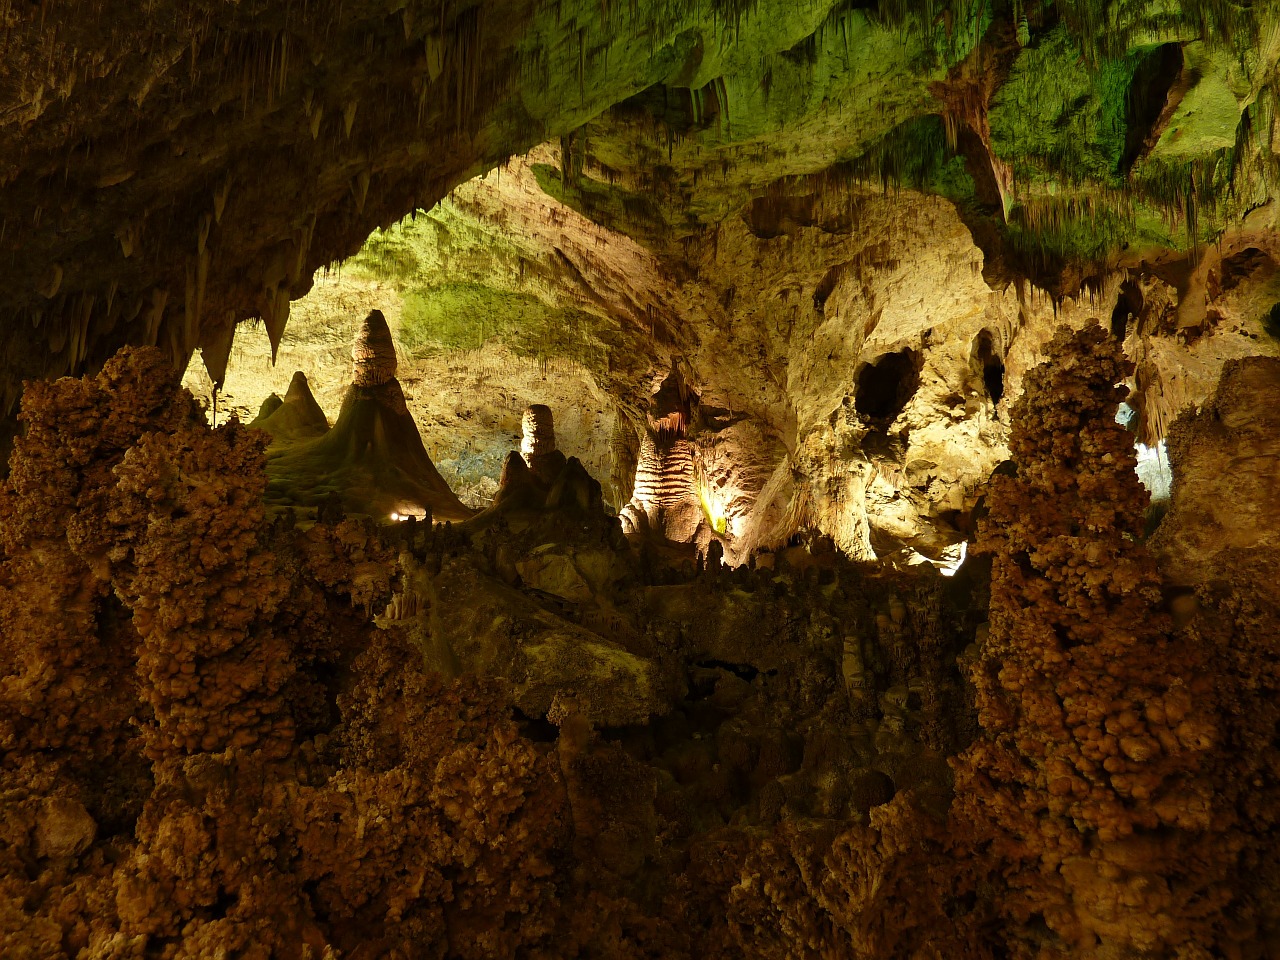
172 169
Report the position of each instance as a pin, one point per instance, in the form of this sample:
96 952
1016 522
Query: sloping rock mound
296 416
373 459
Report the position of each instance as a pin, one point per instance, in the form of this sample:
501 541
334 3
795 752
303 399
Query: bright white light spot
955 559
1154 470
394 515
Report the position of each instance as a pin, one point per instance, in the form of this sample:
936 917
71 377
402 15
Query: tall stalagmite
372 459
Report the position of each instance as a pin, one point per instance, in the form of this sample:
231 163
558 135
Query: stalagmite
738 703
538 444
664 474
373 354
373 457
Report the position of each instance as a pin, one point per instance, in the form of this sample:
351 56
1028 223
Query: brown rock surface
230 727
1226 462
650 759
1094 779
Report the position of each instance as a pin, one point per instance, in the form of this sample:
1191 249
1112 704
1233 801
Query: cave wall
846 343
172 171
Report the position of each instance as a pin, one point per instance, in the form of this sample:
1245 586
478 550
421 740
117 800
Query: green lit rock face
1071 134
1207 120
780 200
1054 115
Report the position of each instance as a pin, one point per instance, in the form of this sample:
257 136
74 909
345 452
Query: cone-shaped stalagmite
373 354
373 458
296 416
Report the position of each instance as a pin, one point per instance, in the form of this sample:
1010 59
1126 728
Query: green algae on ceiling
1132 140
462 283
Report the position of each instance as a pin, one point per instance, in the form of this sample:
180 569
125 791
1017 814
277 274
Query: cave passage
992 366
1128 307
886 386
594 526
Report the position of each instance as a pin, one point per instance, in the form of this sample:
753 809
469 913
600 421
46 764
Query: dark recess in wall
992 365
887 385
1128 307
1271 322
826 286
1241 266
1148 93
773 215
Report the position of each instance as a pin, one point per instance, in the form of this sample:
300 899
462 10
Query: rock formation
1099 720
226 797
664 498
1227 458
538 443
839 624
372 458
294 417
373 353
701 762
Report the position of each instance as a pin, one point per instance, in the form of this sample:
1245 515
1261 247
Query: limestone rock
373 458
373 354
554 573
538 432
1226 468
296 416
612 687
63 828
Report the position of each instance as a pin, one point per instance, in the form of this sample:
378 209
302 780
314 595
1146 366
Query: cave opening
992 366
886 385
1128 308
1149 92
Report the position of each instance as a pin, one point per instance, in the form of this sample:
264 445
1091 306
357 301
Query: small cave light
406 513
1154 470
713 509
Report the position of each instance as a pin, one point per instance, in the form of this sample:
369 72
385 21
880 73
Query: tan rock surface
1226 466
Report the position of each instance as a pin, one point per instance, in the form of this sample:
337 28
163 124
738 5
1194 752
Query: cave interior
567 479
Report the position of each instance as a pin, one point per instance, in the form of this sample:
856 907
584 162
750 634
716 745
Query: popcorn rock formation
206 746
1094 780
